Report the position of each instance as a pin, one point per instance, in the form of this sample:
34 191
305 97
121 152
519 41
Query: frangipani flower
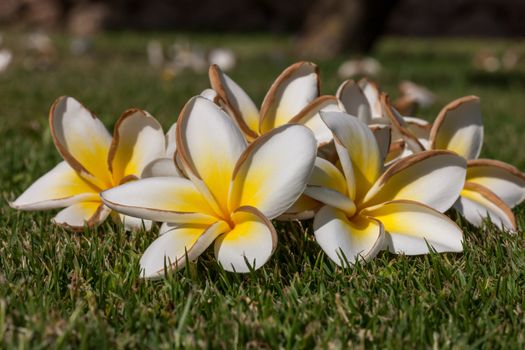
492 187
292 98
93 162
232 192
367 208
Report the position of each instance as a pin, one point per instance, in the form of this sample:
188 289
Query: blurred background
117 54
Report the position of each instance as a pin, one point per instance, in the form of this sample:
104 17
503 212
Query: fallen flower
93 162
492 187
367 208
292 98
232 192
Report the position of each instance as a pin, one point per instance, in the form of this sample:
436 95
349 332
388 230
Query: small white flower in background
232 192
6 56
412 97
93 162
367 208
368 66
224 58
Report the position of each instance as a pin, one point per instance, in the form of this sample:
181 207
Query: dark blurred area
323 27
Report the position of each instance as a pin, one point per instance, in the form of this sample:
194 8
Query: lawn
82 290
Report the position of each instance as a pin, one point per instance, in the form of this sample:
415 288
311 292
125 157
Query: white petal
310 117
344 240
77 215
82 139
332 198
504 180
273 171
325 174
237 101
400 127
171 141
133 224
209 145
250 243
172 247
372 92
292 91
161 167
477 203
434 178
459 128
383 136
360 146
354 101
411 227
60 187
137 141
170 199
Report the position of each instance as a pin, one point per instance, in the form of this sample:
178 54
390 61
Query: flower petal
354 101
383 136
170 199
434 178
304 208
237 101
506 181
171 141
292 91
459 128
138 139
325 174
400 126
419 128
344 240
249 244
411 226
134 224
172 247
310 117
77 215
478 203
372 93
60 187
81 139
161 167
209 145
332 198
359 155
272 173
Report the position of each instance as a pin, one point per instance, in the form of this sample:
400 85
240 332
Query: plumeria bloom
367 208
492 187
292 98
93 162
232 192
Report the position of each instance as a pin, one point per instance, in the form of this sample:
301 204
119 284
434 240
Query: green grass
74 290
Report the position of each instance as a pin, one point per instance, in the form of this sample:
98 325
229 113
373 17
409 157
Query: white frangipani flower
292 98
492 187
367 208
232 192
93 162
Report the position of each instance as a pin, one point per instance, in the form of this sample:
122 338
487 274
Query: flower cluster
370 178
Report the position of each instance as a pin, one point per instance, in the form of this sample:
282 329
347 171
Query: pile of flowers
371 178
